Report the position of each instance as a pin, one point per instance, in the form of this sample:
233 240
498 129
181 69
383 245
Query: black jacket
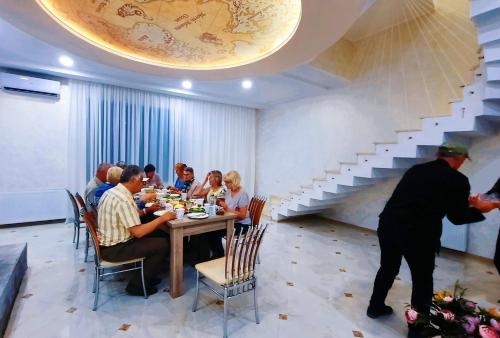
427 193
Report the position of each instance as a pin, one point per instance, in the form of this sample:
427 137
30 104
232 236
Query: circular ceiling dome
182 34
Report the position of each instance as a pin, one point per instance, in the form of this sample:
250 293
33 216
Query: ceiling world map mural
193 34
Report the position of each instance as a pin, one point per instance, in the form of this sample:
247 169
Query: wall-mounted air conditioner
30 85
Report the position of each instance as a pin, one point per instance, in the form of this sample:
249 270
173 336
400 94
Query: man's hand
153 208
168 216
481 204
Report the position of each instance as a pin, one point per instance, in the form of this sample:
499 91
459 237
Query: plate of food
197 210
197 215
160 212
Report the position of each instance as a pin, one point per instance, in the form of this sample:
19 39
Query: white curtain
108 124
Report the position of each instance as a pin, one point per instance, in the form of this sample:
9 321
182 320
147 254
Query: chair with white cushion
233 274
102 265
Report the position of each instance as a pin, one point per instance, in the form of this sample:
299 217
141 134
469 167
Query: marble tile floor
315 280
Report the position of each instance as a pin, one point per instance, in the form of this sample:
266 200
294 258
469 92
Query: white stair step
350 180
479 8
492 92
493 73
296 207
492 53
313 203
489 32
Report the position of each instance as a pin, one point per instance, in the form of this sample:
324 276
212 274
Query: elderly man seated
123 237
112 179
98 180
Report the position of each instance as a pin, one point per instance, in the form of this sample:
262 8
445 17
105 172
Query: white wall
298 141
33 148
33 142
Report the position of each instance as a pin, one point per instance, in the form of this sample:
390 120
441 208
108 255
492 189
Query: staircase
476 115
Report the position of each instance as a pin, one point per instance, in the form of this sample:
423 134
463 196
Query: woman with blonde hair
236 200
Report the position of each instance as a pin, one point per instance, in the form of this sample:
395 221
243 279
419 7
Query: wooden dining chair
255 208
233 274
84 208
105 268
76 219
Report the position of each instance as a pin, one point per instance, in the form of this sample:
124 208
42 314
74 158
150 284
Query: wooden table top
185 221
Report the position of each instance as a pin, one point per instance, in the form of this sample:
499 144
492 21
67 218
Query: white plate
197 215
160 212
147 205
175 195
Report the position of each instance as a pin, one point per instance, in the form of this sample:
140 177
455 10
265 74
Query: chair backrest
255 209
76 212
241 254
90 221
80 201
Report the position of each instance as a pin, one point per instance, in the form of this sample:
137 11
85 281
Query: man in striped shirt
123 237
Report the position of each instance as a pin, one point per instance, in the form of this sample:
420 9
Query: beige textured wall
414 68
337 59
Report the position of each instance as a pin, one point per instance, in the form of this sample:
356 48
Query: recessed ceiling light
247 84
66 61
186 84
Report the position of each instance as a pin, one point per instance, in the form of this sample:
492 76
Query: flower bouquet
453 316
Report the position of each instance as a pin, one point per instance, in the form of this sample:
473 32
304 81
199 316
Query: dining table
180 228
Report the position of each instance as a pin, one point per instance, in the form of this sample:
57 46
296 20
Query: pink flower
447 314
486 331
470 304
495 323
448 299
470 324
411 316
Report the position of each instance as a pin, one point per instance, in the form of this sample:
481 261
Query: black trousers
153 246
420 255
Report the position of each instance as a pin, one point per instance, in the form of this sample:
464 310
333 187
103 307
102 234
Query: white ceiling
26 47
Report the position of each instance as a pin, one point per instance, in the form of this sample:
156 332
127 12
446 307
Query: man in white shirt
122 236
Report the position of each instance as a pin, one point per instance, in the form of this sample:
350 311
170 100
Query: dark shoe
375 312
414 332
136 290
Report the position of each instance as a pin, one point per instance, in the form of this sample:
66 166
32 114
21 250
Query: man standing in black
410 226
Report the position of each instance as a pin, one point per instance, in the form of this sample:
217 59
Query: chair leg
255 302
225 312
258 258
86 245
95 281
74 232
143 283
77 226
195 303
96 299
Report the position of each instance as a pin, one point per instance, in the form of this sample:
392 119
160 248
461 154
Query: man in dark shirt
494 194
410 225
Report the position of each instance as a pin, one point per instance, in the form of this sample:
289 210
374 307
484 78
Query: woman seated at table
179 184
112 179
215 188
236 200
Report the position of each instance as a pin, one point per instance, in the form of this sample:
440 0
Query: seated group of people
126 229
